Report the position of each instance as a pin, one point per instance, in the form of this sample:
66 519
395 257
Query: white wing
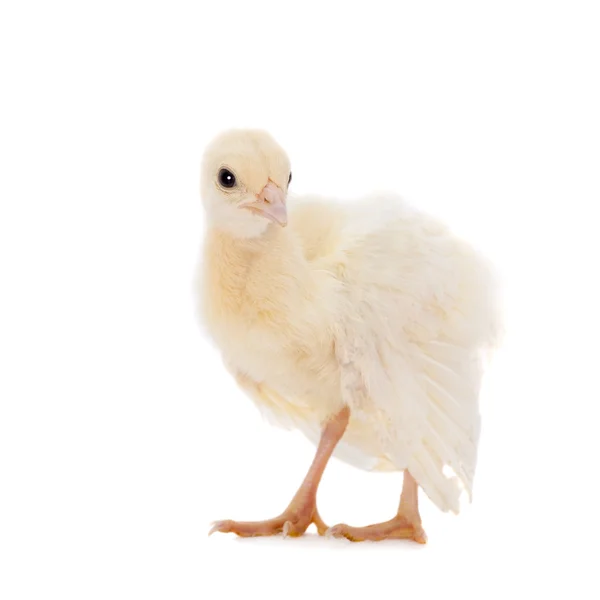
418 313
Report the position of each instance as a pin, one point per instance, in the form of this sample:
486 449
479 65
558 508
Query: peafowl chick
365 325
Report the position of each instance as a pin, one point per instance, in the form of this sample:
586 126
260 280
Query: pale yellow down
369 303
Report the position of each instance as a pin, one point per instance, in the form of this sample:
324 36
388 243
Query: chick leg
302 510
405 525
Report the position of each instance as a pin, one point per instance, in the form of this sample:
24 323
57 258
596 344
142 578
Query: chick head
244 182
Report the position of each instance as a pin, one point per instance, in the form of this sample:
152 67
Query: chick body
371 304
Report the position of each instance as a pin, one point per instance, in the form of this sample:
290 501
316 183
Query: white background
121 437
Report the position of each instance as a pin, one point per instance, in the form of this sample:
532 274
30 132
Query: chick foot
401 527
406 525
302 510
292 522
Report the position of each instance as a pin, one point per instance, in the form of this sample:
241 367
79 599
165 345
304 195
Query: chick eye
226 178
290 179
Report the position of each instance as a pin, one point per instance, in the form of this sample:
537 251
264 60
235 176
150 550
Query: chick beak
269 203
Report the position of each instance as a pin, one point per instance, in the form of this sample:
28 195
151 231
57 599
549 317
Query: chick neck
260 271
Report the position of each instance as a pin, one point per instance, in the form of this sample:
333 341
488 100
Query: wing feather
421 319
